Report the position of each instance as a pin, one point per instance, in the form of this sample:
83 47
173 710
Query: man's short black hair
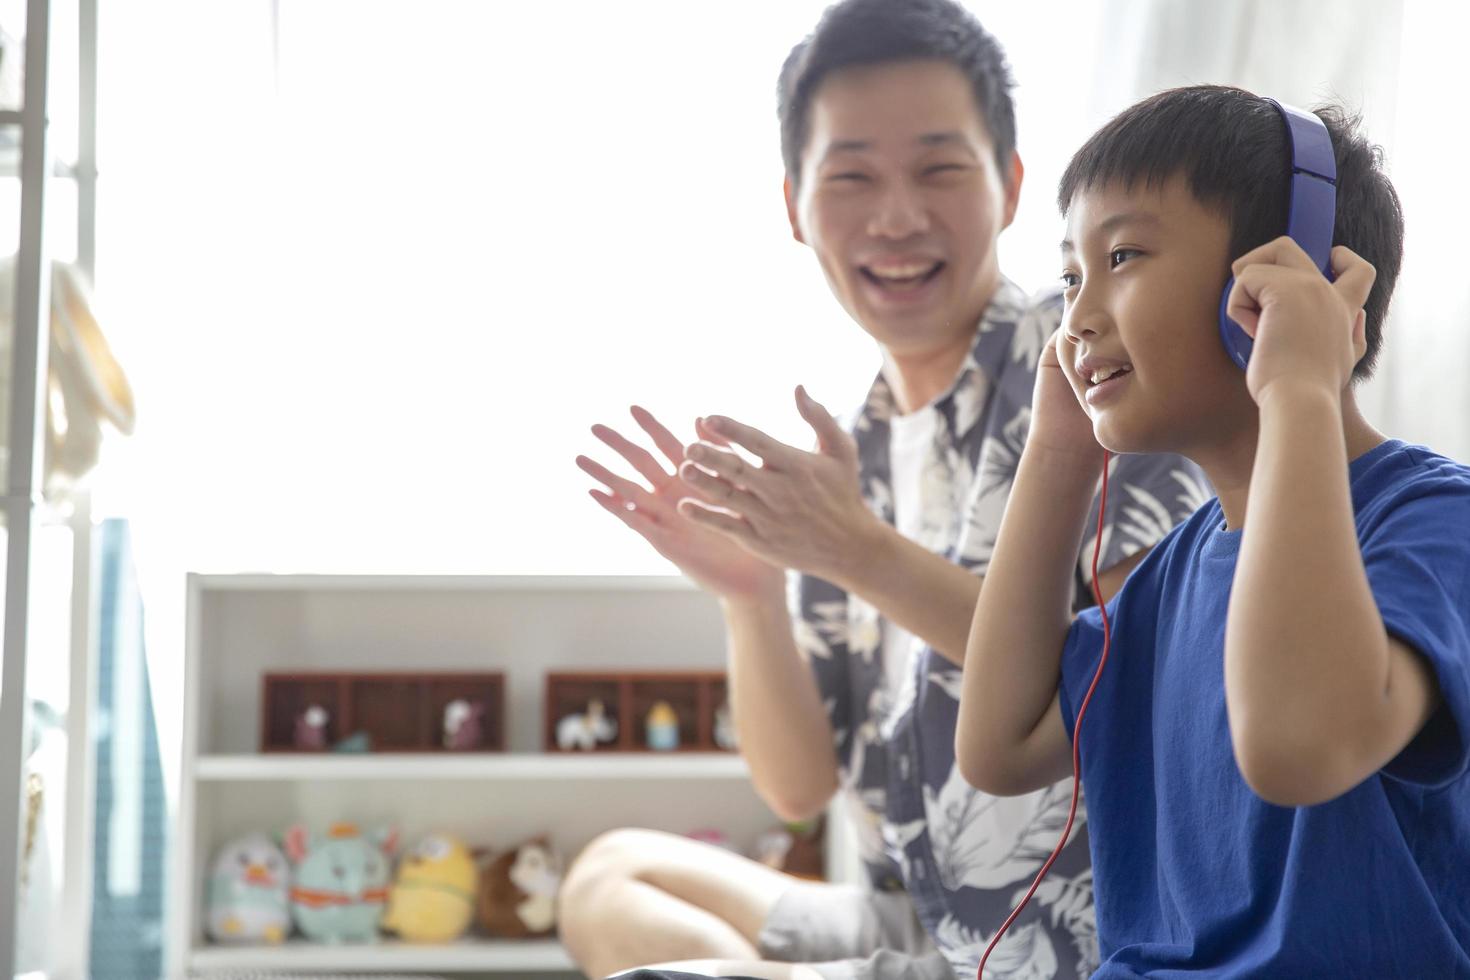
873 32
1230 146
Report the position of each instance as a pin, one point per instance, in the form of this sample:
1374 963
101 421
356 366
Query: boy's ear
1360 336
1013 188
789 192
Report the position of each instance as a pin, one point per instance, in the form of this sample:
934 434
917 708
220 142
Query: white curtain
1395 62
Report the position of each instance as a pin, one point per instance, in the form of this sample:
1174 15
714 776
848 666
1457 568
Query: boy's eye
1071 280
1120 255
942 168
851 175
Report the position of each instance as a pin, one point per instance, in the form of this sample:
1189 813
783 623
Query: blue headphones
1311 211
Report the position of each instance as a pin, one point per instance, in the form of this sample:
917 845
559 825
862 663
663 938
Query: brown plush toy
518 891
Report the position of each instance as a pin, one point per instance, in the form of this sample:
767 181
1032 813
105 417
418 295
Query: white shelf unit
240 626
536 956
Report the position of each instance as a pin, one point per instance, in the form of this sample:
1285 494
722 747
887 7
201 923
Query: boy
1275 754
898 136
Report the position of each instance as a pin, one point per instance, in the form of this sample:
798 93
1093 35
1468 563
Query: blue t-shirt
1197 876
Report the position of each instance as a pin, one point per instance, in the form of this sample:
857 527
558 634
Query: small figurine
518 891
463 725
311 729
249 893
662 726
433 899
357 743
725 728
586 731
341 882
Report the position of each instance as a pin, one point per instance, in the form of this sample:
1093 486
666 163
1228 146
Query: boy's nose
1081 327
1085 318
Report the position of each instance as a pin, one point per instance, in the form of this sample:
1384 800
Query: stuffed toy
518 891
249 887
433 899
341 882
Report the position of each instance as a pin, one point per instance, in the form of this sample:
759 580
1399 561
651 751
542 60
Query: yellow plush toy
433 899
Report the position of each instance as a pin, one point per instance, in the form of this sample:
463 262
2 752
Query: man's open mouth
903 277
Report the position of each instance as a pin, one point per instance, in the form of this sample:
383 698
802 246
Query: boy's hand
718 564
1059 419
1308 332
796 509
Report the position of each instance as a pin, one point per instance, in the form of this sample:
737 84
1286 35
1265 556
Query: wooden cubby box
627 697
399 711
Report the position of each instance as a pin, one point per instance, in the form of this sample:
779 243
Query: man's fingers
702 429
717 520
730 465
830 437
624 488
666 441
638 457
722 492
771 451
637 519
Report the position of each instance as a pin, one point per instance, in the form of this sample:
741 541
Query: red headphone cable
1076 728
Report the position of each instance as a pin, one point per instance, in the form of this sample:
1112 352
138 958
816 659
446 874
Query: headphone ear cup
1237 342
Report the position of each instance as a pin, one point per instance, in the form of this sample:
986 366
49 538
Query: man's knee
615 854
611 857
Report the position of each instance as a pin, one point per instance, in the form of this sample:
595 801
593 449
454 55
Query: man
898 135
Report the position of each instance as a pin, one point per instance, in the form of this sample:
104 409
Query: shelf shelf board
525 766
544 955
329 583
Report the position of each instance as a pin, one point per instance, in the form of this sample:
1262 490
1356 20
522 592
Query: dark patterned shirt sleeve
819 615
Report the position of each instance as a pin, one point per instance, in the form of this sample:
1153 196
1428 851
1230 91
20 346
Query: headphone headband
1311 208
1311 212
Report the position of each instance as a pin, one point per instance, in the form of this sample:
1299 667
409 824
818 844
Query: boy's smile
1102 377
1143 270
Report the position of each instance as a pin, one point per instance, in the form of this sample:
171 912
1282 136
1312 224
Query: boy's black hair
872 32
1230 146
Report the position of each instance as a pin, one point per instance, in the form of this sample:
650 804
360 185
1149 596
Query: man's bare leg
635 897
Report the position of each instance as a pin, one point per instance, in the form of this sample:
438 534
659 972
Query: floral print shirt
965 857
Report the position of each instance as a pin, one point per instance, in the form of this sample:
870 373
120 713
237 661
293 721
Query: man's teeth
904 271
1098 377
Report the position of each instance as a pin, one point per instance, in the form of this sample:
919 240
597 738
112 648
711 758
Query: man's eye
1120 255
850 175
942 168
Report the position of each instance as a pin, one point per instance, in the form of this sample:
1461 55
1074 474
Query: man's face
1144 270
901 199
